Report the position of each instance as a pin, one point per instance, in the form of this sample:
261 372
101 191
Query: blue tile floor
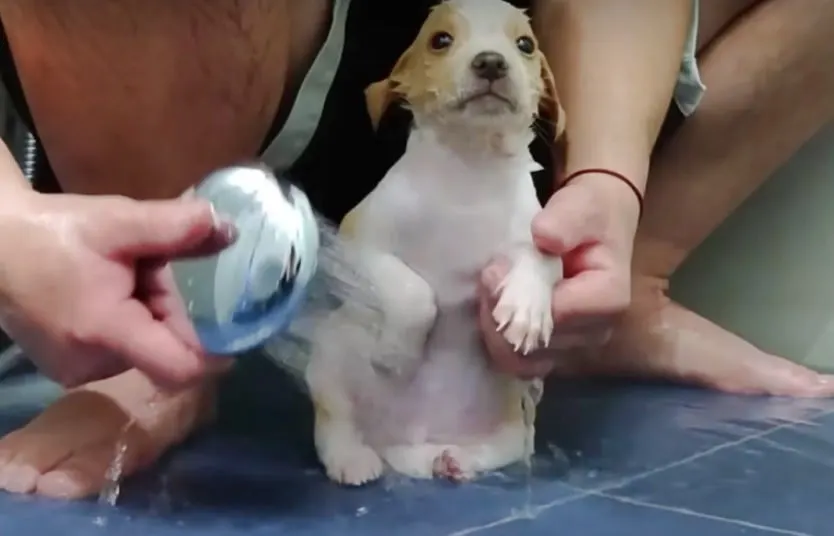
611 460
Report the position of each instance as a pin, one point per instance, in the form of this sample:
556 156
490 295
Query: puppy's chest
447 238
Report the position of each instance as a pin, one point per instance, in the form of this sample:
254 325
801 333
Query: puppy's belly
452 398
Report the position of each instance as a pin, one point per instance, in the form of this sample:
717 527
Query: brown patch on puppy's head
474 63
421 72
550 106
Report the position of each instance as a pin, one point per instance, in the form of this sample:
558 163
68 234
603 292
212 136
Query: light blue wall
768 273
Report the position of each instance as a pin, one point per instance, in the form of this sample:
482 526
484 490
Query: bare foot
660 339
65 451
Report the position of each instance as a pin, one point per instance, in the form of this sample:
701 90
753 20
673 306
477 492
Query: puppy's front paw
523 311
352 464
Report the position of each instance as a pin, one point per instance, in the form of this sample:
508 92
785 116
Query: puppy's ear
380 95
549 104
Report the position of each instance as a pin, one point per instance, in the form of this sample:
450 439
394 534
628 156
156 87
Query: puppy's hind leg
337 361
346 457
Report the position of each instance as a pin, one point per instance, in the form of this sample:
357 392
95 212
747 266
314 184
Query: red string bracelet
610 173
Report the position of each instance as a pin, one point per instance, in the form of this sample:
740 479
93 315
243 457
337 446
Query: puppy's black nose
490 66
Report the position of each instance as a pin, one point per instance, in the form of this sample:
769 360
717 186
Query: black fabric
345 158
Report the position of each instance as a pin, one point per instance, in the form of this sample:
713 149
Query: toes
808 385
502 314
523 316
71 424
19 478
824 385
447 465
26 454
66 451
355 465
84 473
547 329
525 328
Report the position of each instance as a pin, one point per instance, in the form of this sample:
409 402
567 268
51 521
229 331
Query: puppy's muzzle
490 66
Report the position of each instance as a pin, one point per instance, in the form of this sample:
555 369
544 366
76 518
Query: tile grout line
702 454
604 489
580 494
610 490
694 513
798 453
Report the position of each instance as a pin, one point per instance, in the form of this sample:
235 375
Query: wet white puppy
428 404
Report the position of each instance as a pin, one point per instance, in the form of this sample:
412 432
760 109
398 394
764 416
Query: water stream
111 489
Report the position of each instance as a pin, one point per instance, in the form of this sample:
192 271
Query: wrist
15 200
18 210
13 185
617 192
18 207
12 180
629 159
620 182
619 202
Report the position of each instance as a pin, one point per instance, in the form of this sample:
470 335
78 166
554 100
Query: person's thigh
714 18
717 15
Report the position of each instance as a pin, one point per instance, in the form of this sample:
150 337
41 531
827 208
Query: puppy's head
475 63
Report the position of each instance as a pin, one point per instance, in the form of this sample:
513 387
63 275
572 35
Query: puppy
426 403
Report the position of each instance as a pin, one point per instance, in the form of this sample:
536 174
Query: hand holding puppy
590 223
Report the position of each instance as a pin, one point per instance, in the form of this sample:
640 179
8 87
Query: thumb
174 228
566 222
589 296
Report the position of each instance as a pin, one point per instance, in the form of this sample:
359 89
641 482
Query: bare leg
770 84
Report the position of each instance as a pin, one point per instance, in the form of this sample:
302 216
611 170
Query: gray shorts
690 89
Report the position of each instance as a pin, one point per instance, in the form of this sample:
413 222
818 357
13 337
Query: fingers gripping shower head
252 290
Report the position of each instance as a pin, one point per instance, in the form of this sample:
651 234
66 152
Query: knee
407 298
416 301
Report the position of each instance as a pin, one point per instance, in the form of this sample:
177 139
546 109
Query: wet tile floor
611 460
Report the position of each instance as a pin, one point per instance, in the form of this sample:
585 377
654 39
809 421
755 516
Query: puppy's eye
525 44
441 41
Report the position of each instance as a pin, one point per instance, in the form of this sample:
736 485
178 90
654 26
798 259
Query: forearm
615 64
13 190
